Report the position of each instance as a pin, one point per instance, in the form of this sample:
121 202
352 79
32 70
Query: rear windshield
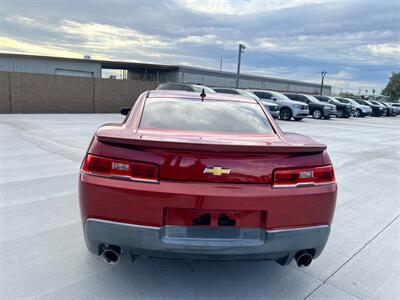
209 115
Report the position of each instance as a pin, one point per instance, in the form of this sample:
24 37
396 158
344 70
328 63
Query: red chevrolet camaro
205 177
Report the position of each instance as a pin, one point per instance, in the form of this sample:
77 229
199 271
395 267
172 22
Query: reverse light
115 168
286 178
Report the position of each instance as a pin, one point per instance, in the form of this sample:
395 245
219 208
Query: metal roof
108 64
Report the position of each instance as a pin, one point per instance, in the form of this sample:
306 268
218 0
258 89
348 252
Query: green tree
392 89
346 94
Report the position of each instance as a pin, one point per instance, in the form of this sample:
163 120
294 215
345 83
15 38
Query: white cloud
386 50
22 20
347 47
266 44
240 7
201 39
342 74
9 44
108 37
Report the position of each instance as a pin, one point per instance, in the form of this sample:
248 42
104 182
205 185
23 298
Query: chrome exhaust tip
111 255
303 258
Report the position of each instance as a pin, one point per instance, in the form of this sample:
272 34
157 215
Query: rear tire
285 114
340 113
317 113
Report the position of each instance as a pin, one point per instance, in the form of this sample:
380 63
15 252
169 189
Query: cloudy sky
355 41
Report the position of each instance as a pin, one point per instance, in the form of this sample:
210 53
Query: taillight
286 178
115 168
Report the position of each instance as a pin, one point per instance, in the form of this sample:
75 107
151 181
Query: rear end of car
183 178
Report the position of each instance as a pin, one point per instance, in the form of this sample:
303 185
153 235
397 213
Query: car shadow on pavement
164 279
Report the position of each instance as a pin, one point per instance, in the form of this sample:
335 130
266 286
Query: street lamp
323 73
241 50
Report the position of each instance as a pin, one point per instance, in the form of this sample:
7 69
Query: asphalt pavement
42 253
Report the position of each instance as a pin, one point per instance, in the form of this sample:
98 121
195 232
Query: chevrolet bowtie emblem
217 171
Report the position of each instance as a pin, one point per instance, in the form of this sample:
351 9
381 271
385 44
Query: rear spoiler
293 143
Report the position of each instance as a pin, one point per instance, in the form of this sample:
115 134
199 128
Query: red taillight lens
110 167
303 177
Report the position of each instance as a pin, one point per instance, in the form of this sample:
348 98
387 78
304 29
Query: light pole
323 73
241 50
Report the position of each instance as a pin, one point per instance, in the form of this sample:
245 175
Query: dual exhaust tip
111 254
303 258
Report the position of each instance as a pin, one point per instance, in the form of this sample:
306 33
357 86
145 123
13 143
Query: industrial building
159 73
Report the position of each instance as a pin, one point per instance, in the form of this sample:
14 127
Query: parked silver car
287 107
359 109
318 109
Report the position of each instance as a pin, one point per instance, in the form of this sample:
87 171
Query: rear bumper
204 243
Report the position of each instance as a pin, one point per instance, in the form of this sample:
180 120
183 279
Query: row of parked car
299 106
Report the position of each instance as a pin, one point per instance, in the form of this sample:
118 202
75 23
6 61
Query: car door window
267 95
291 96
259 94
302 99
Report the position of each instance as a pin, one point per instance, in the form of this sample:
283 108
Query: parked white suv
287 108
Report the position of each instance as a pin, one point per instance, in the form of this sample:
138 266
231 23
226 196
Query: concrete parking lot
43 254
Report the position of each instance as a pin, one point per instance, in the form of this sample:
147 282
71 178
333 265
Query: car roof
223 88
196 95
258 90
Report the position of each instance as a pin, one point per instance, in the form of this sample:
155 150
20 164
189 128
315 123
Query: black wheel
358 113
297 119
317 113
285 114
339 113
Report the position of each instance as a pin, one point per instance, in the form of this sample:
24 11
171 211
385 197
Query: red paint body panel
184 190
144 203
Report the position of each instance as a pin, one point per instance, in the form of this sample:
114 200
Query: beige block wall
111 94
39 93
5 97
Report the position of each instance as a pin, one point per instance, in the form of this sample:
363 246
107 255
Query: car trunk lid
217 157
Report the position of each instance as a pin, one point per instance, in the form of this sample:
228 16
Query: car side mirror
125 111
273 98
